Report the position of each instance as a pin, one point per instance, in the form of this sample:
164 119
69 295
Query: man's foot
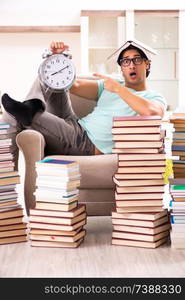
23 112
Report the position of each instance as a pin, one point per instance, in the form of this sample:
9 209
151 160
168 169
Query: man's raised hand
58 47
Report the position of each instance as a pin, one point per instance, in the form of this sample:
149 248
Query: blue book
4 125
58 163
178 148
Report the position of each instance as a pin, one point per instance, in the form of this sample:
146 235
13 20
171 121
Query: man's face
134 74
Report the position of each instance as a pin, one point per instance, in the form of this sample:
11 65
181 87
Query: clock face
57 72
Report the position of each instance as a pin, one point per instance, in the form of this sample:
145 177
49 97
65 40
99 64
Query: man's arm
140 105
81 87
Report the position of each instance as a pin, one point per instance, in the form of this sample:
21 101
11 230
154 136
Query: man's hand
58 47
110 84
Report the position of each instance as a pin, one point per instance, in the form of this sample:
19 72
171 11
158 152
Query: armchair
96 188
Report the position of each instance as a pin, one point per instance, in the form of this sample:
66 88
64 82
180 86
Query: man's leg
62 136
58 104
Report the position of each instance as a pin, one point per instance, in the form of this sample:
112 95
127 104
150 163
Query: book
10 213
138 182
58 238
139 196
13 239
55 192
177 120
138 137
7 203
57 163
11 221
142 157
139 236
140 222
178 148
55 232
81 208
136 150
142 244
57 226
13 227
56 206
178 228
6 142
179 135
58 184
143 230
140 209
4 125
11 233
136 121
140 189
152 216
178 153
56 244
148 51
148 169
133 203
141 163
130 130
10 180
141 176
57 220
134 145
60 200
7 131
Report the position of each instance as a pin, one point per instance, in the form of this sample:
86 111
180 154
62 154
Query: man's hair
141 53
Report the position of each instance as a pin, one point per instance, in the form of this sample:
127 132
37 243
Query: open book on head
148 51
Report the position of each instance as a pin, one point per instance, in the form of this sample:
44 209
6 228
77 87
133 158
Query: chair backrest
82 106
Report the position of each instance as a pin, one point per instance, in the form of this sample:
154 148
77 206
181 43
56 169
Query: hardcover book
57 220
54 244
139 209
138 182
142 203
137 121
139 236
81 208
56 206
142 244
60 227
140 223
141 176
58 238
130 130
152 216
13 239
142 230
147 157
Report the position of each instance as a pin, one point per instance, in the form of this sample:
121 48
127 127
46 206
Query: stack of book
139 182
177 215
58 219
13 228
178 144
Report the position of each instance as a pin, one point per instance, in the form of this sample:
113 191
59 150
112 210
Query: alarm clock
56 72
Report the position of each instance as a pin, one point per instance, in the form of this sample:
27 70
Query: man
55 119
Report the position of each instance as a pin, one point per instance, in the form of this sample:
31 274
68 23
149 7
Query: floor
95 257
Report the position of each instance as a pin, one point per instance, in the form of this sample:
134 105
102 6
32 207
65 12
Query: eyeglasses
125 62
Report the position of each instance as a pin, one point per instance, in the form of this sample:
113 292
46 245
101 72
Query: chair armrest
31 143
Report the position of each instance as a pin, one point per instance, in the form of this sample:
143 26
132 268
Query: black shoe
23 112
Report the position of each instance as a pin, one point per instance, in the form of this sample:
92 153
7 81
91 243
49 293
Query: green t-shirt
98 124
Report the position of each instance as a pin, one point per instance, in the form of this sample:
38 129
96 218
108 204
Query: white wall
21 57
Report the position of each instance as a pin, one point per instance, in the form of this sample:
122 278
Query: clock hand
59 70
